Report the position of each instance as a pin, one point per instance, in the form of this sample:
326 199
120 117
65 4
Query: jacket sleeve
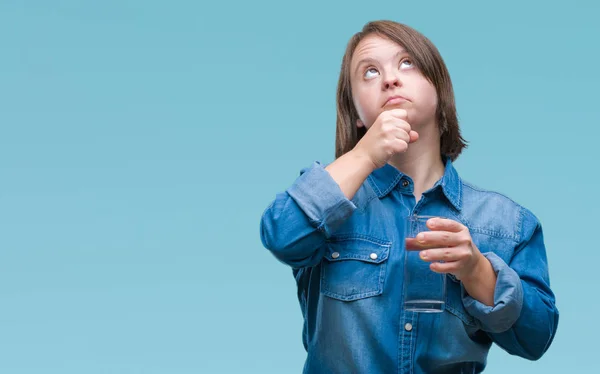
524 318
297 223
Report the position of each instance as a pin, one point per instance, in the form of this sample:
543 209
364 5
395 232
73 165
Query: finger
400 146
445 267
402 125
439 239
412 244
399 113
441 254
414 136
402 134
445 224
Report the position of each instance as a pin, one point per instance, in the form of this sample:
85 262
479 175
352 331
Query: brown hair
427 59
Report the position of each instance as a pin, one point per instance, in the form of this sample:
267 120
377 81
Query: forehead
375 47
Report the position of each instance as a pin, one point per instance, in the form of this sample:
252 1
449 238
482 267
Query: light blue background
140 142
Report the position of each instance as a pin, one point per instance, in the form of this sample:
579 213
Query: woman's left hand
449 241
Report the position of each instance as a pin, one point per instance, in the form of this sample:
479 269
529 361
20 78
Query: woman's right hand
389 134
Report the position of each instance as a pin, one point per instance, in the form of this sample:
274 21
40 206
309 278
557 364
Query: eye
406 63
371 73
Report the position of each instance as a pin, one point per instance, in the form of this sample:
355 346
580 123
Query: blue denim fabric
352 302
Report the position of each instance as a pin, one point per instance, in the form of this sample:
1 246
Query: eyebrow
371 60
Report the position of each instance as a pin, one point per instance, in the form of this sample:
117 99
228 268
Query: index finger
445 224
399 113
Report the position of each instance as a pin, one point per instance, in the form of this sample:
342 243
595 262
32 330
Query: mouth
396 99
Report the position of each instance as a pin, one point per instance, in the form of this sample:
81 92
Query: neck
422 161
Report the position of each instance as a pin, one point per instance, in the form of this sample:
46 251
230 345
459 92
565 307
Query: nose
391 81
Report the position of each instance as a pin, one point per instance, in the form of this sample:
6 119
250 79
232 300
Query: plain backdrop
140 142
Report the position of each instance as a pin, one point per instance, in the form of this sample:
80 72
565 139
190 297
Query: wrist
481 270
363 161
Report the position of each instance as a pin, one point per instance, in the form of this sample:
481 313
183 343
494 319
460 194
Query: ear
359 123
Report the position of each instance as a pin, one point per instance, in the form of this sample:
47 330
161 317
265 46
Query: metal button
335 255
408 327
373 256
405 183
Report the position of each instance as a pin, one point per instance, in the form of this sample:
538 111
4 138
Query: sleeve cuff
321 199
508 299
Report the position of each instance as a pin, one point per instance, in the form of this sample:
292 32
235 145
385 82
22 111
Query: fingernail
423 254
421 238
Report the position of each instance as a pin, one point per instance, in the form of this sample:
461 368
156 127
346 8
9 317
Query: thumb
414 136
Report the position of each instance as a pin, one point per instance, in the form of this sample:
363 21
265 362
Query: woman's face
384 77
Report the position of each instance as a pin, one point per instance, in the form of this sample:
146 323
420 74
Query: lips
396 99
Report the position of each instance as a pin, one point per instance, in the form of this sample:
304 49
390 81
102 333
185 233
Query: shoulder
488 196
495 213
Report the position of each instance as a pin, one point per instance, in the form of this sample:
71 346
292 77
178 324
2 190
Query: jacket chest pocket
354 268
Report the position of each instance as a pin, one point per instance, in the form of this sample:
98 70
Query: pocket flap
363 249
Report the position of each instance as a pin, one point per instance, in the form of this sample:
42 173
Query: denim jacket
351 302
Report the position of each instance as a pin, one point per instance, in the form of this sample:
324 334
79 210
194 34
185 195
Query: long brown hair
427 59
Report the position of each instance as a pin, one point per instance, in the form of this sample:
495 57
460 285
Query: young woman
340 228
